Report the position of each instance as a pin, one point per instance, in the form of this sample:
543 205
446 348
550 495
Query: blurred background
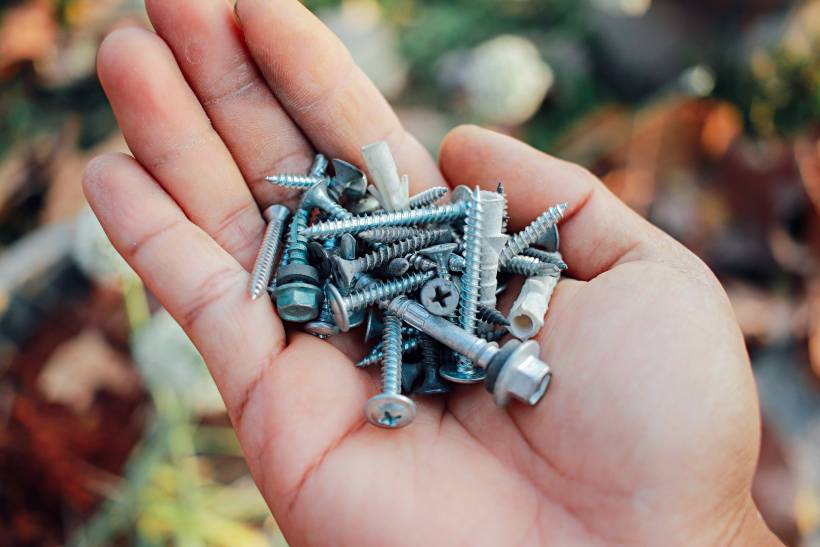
701 115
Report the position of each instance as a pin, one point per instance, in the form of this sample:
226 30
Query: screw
398 266
463 370
276 215
317 197
440 254
354 225
297 293
529 235
492 316
343 306
505 218
314 176
391 234
390 409
550 257
440 296
513 370
529 267
432 384
346 270
427 197
410 341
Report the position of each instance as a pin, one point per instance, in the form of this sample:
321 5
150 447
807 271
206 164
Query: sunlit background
701 114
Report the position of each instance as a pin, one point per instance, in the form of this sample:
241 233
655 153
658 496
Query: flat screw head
337 306
322 329
349 179
390 410
452 373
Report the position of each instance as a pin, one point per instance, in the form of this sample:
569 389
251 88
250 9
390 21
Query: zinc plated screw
276 215
344 306
530 267
391 234
513 370
347 270
427 197
463 371
354 225
390 409
550 257
440 255
314 176
408 345
529 235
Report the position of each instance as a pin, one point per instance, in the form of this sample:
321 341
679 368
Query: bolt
513 370
529 235
463 370
276 215
354 225
427 197
346 270
344 306
297 293
390 409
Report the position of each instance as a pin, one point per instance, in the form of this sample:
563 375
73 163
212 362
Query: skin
649 433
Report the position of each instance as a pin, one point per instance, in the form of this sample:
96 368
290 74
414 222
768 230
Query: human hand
649 432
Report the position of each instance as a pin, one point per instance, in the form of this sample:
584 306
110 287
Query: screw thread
429 351
427 197
529 235
470 278
529 267
408 345
505 215
356 224
421 263
292 180
382 255
392 234
391 360
335 210
388 289
296 248
492 316
546 256
263 266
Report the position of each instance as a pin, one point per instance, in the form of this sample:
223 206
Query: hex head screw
297 293
276 215
390 409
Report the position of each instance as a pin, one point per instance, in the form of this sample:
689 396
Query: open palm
649 432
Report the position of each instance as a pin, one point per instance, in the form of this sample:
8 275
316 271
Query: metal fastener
276 216
391 409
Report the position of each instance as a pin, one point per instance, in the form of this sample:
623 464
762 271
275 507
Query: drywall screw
529 235
390 409
391 234
314 176
346 270
276 215
398 266
343 306
492 316
440 255
530 267
505 218
427 197
317 197
410 341
421 263
297 293
432 384
513 370
356 224
463 371
549 257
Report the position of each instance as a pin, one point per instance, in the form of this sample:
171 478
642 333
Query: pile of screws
421 277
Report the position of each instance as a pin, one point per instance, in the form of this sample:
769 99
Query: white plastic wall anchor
394 191
528 311
492 241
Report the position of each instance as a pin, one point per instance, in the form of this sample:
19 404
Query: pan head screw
390 410
440 296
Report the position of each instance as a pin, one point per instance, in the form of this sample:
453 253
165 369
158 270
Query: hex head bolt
413 217
346 270
297 293
390 409
513 371
344 306
529 235
276 216
463 371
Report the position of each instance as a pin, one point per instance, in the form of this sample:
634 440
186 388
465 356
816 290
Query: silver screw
512 371
530 267
354 225
343 306
391 234
314 176
529 235
463 371
440 254
317 197
276 215
427 197
408 345
390 409
550 257
297 293
492 316
346 270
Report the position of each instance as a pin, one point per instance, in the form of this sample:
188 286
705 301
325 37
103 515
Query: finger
171 136
598 231
316 80
197 281
211 54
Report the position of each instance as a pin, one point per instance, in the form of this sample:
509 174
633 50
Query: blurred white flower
168 360
372 44
506 80
94 254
